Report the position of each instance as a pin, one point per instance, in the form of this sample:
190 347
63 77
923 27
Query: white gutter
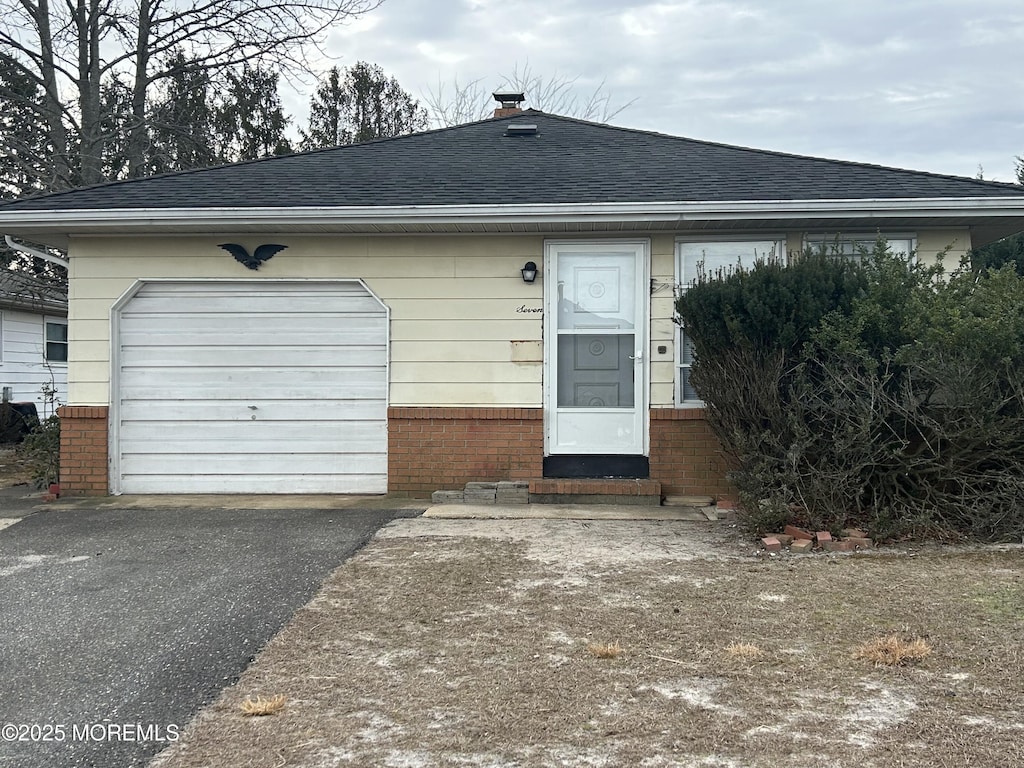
35 252
226 217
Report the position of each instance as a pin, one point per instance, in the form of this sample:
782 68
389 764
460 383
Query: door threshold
597 466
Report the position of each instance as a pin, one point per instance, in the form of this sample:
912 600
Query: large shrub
876 393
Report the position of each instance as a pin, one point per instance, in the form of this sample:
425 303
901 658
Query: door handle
638 356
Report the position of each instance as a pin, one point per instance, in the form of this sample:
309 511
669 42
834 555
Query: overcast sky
934 85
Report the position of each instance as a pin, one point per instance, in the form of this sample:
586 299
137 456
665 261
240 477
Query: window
56 341
708 257
854 246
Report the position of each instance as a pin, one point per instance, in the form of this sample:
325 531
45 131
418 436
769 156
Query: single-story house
33 341
488 302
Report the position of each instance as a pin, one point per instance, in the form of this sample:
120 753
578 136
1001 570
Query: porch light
529 271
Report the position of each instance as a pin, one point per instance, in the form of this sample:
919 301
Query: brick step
595 490
557 491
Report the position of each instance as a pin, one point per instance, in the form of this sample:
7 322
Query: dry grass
894 651
434 651
260 707
605 650
744 652
13 468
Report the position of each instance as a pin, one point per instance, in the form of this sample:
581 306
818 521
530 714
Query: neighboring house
33 341
390 342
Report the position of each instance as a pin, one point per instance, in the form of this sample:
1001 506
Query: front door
595 342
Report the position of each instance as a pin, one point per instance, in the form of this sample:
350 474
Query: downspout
36 252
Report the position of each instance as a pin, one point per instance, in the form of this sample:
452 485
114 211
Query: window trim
47 322
781 241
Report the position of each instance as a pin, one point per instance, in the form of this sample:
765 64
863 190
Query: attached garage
249 387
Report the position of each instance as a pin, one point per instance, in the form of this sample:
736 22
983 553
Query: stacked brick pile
798 540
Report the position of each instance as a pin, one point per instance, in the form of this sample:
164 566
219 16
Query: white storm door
595 340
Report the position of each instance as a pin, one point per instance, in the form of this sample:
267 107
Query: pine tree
359 104
23 157
249 121
327 114
182 133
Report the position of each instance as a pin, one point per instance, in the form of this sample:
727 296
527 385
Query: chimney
509 103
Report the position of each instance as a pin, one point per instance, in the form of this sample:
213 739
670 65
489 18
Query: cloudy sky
935 85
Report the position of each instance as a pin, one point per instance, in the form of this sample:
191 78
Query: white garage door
251 387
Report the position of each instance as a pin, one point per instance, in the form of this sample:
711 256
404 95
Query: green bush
891 399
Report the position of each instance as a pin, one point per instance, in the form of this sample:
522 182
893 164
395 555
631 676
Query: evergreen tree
249 121
115 123
182 134
328 122
1009 250
359 104
22 158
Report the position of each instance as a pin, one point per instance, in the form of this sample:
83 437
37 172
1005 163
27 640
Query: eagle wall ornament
257 257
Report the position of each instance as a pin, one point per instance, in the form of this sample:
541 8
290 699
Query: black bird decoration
253 261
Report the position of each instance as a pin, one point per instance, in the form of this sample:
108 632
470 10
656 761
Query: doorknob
638 356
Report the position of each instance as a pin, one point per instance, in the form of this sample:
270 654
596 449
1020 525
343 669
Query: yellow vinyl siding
457 303
453 302
662 331
931 243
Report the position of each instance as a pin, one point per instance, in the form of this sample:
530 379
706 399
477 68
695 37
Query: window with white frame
56 341
712 257
855 246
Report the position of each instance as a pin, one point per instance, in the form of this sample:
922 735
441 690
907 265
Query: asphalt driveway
117 625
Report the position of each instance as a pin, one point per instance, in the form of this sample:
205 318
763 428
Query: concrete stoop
589 498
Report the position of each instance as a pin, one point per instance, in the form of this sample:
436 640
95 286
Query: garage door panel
243 464
247 383
229 305
242 388
198 361
225 483
181 356
252 334
171 410
285 437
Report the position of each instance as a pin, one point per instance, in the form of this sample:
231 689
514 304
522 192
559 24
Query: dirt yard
13 470
479 643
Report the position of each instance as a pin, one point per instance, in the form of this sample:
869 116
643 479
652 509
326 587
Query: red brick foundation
83 450
685 455
431 449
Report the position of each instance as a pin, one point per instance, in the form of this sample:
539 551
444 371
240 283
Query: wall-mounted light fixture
529 271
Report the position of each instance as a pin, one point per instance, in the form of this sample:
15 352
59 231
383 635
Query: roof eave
60 223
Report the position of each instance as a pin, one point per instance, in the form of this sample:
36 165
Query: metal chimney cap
509 99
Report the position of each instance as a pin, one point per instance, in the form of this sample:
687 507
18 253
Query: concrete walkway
19 501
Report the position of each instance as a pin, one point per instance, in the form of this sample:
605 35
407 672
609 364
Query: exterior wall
432 449
466 370
951 245
83 450
23 366
686 456
458 305
663 328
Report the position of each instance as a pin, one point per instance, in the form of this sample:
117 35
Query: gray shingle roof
22 291
568 161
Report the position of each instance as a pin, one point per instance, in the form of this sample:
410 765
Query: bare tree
453 104
69 50
456 103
